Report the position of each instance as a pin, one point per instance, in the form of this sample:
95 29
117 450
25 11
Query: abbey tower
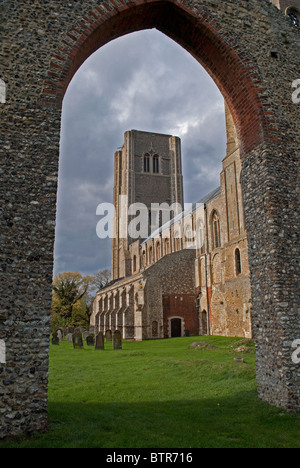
148 171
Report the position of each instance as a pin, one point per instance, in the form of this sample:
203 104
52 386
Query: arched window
201 240
156 164
134 263
238 263
144 259
294 16
177 245
147 163
157 250
216 230
151 255
189 237
167 246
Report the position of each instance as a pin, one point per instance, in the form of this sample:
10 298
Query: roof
215 193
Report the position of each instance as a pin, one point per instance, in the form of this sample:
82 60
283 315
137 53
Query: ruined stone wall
172 275
252 53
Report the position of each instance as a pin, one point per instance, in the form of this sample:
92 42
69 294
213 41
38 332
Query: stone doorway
176 327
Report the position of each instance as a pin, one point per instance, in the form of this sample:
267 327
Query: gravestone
69 338
77 341
85 334
108 335
60 334
117 340
55 338
99 341
90 340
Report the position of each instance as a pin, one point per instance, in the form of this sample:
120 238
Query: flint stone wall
42 45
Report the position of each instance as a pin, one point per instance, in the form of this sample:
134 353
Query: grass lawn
159 394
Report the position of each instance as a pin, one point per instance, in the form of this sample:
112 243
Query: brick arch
251 32
200 34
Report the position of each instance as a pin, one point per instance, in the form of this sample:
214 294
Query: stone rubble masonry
252 52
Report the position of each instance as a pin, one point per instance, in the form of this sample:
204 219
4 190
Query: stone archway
249 49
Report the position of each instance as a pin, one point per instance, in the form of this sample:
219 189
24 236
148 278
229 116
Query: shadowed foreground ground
159 394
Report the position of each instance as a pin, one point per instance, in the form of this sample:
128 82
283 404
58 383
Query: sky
142 81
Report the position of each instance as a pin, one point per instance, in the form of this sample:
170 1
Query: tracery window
156 164
147 163
216 230
201 240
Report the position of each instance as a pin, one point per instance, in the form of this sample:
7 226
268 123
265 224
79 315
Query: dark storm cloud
142 81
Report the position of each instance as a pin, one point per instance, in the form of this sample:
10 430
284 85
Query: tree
71 304
101 279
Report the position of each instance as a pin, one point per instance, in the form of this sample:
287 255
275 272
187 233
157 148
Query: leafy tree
71 304
73 296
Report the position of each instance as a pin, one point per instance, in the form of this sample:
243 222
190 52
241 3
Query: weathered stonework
252 52
207 287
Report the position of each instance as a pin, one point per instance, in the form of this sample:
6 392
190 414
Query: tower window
146 163
238 263
155 164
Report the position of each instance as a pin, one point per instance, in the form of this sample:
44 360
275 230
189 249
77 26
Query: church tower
147 171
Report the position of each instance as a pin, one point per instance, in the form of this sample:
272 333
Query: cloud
141 81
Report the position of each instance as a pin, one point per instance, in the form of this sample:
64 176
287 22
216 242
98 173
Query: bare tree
101 279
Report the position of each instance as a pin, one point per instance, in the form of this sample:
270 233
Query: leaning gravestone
99 341
77 341
108 335
90 340
55 338
117 340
